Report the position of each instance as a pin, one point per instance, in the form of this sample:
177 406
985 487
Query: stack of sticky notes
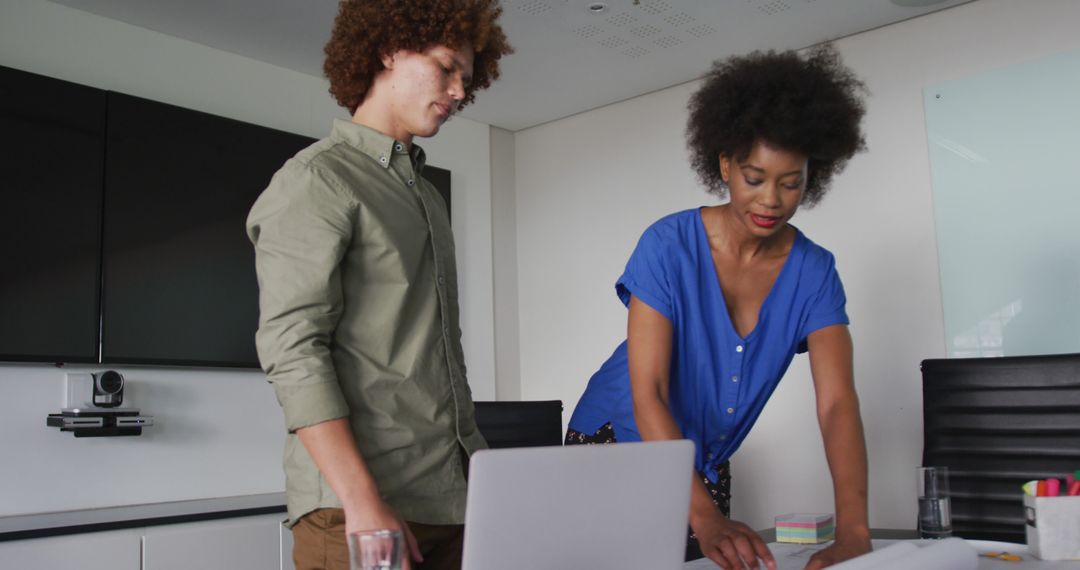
804 528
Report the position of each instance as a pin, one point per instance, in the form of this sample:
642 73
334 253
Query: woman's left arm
832 366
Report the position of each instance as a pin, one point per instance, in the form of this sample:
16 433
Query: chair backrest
997 423
520 424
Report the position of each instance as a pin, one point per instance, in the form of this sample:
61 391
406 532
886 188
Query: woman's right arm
648 342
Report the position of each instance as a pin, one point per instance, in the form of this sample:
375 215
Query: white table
795 556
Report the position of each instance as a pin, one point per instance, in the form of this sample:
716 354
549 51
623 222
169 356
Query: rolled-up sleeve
301 226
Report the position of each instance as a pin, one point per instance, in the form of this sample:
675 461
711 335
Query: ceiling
567 60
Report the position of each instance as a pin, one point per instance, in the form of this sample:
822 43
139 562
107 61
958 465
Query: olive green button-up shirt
358 319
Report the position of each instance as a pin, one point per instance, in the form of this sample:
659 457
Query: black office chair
520 424
997 423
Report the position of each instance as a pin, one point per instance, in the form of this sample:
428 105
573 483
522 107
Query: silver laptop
588 507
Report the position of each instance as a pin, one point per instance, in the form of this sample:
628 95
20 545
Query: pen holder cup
1053 527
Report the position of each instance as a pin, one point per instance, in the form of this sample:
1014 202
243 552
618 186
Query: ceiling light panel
774 7
534 7
632 28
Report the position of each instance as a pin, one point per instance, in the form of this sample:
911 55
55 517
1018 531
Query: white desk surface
795 556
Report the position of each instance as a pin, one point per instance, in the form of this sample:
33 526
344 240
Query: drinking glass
935 509
375 550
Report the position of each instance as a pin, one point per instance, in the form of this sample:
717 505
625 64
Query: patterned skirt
720 491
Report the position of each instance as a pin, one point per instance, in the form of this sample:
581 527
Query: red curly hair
366 30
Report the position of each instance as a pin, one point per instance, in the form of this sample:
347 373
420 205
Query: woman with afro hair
722 297
358 329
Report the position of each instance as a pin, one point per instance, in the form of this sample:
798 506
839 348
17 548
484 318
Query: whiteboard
1005 166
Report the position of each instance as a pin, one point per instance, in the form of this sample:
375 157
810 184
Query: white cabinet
286 548
112 550
258 541
224 544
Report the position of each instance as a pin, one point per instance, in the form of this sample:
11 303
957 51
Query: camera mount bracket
100 422
91 407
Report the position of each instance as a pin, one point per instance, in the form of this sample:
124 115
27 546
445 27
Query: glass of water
375 550
935 509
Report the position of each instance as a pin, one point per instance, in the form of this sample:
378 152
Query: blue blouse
720 381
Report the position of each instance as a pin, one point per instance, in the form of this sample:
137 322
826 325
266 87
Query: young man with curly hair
358 328
722 297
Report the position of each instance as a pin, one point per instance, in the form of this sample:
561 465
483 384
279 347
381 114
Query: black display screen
122 227
52 148
179 271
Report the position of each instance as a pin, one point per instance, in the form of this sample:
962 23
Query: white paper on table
795 556
879 558
788 556
947 554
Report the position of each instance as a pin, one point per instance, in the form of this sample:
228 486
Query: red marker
1040 490
1074 489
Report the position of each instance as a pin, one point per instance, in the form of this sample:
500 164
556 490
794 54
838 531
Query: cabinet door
113 550
227 544
286 548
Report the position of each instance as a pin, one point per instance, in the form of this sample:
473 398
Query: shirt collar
380 147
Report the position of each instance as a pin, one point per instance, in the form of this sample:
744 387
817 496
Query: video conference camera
108 389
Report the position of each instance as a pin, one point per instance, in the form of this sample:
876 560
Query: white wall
218 432
589 184
504 252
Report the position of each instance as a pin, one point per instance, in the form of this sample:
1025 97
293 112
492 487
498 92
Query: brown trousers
319 543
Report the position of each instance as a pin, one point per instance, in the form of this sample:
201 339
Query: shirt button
398 147
738 348
734 378
442 279
382 159
731 410
411 182
722 437
709 457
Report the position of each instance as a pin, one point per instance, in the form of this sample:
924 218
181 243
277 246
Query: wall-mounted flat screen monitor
122 227
179 271
52 148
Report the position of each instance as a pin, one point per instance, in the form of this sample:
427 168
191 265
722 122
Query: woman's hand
378 515
840 550
731 544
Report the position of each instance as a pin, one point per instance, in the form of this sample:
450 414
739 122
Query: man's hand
377 514
731 544
332 446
